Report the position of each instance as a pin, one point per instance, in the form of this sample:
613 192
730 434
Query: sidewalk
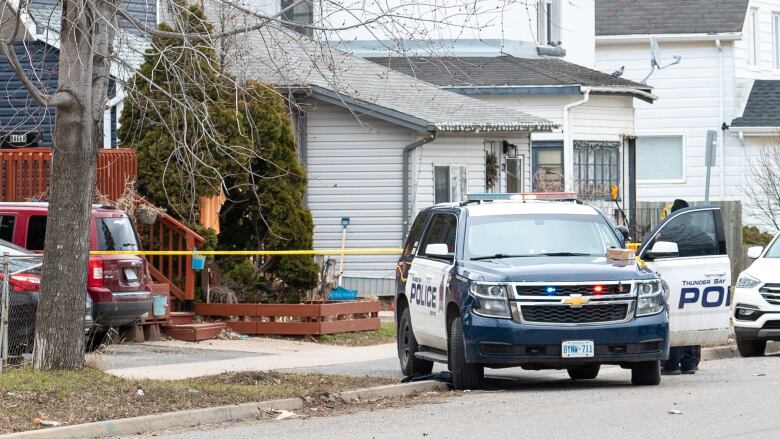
177 360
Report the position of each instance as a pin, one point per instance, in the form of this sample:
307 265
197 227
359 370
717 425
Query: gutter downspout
568 144
405 180
722 114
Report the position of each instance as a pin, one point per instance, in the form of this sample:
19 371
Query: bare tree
94 46
762 194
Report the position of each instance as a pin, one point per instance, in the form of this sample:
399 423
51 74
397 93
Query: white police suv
527 283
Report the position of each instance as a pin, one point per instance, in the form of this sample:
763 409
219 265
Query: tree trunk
83 73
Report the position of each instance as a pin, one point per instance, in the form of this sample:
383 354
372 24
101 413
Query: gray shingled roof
499 71
763 106
633 17
285 59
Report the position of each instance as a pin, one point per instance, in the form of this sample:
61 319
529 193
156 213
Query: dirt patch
91 395
385 334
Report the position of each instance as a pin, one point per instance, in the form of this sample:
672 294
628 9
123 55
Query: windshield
538 235
116 234
774 250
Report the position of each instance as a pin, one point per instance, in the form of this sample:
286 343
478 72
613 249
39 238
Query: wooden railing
170 234
25 173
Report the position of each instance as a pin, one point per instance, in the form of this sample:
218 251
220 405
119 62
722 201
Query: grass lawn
385 334
91 395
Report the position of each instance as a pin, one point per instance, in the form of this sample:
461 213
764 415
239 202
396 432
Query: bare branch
55 100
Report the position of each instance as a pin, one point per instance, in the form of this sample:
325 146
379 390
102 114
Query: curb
211 415
730 351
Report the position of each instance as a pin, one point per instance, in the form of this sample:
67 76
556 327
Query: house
595 110
378 145
23 122
724 82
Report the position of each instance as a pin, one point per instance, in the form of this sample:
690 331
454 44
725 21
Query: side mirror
623 230
437 250
664 249
754 252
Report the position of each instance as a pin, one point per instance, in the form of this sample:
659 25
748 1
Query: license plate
131 275
577 349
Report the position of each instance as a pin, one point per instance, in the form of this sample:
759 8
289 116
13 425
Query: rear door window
415 233
36 232
7 224
116 234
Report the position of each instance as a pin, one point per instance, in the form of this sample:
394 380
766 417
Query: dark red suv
118 284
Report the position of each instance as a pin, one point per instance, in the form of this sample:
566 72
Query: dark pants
683 358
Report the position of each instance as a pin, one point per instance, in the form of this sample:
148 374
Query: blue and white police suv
526 283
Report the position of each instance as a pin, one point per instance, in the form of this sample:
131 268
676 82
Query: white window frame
684 153
547 12
450 166
753 41
776 40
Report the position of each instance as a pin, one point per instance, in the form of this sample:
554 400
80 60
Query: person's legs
690 359
672 365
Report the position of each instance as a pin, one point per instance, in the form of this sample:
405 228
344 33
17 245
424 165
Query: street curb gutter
730 351
211 415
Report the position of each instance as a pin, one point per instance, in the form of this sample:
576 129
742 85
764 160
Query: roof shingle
640 17
763 106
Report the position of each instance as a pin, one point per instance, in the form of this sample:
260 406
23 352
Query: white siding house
725 46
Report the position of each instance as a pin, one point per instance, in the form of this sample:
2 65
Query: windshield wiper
500 256
565 254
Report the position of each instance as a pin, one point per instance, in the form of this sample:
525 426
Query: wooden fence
25 173
649 214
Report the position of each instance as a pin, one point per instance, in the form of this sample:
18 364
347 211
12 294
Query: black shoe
688 372
670 372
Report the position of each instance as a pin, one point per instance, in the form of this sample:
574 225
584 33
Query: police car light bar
550 196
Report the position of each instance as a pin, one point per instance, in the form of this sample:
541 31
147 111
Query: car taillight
95 272
25 282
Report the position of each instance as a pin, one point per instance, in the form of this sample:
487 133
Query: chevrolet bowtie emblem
575 300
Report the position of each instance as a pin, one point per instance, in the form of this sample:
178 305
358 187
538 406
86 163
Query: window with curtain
659 158
547 166
450 183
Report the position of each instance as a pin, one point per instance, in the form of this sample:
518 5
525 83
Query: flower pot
145 216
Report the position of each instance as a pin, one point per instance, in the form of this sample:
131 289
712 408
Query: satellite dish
655 59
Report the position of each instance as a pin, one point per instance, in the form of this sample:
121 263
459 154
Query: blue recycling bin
341 294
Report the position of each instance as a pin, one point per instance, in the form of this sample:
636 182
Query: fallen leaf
759 374
285 414
675 412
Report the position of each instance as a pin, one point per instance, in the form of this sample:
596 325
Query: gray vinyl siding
18 111
354 168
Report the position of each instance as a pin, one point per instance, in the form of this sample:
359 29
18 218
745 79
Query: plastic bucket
341 293
198 262
158 305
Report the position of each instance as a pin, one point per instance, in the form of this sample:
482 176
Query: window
36 232
450 183
7 223
116 234
443 230
776 40
548 21
596 168
415 232
752 25
548 166
515 175
659 158
694 233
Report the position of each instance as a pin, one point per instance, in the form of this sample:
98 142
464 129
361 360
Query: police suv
528 283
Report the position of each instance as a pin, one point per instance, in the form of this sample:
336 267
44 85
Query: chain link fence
18 304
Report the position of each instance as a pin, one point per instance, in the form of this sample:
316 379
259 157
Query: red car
117 284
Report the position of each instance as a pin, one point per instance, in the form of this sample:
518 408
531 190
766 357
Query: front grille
771 293
566 290
566 314
772 324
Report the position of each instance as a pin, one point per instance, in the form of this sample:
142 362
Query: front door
698 274
427 275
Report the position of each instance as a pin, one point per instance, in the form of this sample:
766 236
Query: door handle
715 273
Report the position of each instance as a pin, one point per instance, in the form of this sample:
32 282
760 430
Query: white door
698 274
427 275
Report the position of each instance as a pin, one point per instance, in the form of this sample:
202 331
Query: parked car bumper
121 313
504 342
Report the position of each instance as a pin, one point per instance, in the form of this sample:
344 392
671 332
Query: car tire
588 372
646 373
465 376
751 347
407 347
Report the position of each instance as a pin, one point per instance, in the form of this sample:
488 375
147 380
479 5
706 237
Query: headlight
650 297
747 281
491 300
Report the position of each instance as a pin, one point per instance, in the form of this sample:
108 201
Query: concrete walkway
177 360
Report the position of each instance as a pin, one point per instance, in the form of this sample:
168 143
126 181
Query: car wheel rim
405 344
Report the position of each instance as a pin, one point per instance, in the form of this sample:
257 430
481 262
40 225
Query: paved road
727 398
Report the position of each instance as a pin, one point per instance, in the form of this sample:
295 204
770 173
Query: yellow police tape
351 251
